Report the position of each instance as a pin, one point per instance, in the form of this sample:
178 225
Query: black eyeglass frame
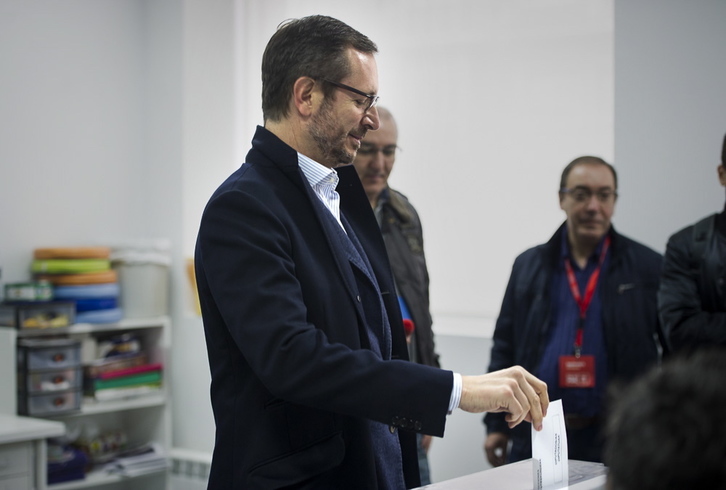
372 98
600 194
370 149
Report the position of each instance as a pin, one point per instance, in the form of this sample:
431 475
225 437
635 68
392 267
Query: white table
23 451
518 476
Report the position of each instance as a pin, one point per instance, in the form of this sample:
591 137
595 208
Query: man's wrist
455 393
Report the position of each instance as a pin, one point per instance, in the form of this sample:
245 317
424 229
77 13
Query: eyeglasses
368 149
368 104
583 194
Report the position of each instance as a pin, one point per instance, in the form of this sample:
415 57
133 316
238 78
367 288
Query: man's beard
323 132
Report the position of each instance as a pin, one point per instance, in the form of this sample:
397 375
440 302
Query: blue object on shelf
92 304
107 290
72 466
111 315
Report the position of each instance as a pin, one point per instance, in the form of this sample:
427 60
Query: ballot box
518 476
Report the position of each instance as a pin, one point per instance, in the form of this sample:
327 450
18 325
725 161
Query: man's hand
495 447
512 390
426 442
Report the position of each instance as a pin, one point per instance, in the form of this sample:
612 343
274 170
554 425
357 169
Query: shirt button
392 429
358 298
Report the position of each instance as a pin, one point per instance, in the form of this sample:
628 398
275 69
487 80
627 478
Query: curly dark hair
667 429
314 47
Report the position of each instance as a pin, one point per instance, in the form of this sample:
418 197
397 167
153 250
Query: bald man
402 233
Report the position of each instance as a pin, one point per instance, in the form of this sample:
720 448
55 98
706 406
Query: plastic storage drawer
38 315
50 404
44 354
37 382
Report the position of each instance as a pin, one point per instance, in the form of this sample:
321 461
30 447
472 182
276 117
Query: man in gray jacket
403 236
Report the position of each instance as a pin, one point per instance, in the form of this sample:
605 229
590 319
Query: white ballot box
518 476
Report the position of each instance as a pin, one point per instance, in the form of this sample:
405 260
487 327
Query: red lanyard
584 303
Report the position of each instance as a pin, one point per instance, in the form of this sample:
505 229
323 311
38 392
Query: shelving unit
144 418
23 451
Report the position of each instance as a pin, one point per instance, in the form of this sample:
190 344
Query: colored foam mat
102 277
110 290
112 315
69 266
72 253
91 304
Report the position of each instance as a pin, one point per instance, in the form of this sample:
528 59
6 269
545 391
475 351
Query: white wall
113 116
71 126
670 113
208 148
118 118
493 99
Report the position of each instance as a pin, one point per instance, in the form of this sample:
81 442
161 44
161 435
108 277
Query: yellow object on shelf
193 285
69 266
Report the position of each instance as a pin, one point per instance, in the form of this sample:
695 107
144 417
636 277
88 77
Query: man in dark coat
580 312
692 295
311 383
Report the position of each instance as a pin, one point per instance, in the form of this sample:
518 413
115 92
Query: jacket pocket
300 465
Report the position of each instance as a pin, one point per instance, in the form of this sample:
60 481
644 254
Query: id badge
577 372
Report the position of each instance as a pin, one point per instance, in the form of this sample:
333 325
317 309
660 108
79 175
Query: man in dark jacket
403 235
692 295
311 383
580 312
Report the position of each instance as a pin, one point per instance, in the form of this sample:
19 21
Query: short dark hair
585 160
313 46
667 430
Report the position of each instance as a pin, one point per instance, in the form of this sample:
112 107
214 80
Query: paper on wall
549 449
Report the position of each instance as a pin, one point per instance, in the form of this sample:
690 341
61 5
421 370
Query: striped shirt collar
323 181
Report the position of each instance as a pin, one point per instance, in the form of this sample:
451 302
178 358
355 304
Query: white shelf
14 428
88 328
92 408
144 418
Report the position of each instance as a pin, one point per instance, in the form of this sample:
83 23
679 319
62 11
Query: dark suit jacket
293 380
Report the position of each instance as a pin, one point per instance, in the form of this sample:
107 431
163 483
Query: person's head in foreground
668 429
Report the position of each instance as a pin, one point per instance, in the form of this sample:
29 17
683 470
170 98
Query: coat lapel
269 150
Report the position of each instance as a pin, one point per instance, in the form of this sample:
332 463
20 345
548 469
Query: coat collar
277 153
553 245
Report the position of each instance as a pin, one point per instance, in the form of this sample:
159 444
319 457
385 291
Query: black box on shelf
38 314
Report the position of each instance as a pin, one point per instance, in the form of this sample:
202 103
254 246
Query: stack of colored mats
82 275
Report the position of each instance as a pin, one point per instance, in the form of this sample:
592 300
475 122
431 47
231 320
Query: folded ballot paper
549 450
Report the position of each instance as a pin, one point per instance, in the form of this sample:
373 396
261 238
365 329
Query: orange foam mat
76 279
72 253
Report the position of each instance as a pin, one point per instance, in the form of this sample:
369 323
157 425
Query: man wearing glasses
580 312
403 235
311 383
